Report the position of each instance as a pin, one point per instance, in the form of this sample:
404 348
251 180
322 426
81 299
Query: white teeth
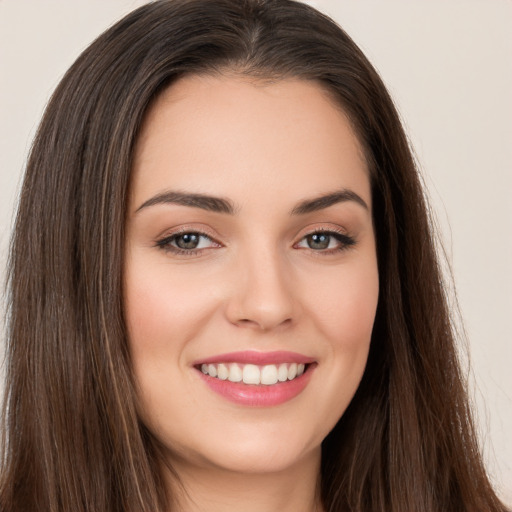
212 370
266 375
235 373
222 372
282 373
269 374
292 371
251 374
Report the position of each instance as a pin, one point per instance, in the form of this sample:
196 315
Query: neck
213 489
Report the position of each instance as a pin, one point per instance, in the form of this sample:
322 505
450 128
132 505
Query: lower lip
259 395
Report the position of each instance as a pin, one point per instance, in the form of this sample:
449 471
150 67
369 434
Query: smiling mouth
252 374
257 379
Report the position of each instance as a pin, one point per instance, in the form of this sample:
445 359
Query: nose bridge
262 288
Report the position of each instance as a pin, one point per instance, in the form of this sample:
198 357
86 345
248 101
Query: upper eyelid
339 230
169 233
324 230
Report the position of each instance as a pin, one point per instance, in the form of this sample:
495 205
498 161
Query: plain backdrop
448 66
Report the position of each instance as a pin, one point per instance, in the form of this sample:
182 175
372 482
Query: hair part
74 440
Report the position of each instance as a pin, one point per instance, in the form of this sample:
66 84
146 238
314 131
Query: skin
254 283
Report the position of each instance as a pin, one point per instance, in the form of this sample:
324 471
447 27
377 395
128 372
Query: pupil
318 241
187 241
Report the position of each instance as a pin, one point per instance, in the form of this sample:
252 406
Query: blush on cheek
345 316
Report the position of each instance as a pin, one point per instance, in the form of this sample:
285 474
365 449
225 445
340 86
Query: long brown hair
72 436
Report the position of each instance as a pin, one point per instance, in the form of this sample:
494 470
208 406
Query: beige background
447 64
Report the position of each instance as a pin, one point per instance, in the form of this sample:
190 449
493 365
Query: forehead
223 134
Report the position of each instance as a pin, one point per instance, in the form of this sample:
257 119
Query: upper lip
257 358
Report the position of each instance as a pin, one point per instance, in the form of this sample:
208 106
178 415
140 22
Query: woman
224 291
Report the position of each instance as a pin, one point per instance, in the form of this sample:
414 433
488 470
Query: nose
262 295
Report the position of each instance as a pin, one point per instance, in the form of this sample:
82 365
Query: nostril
263 324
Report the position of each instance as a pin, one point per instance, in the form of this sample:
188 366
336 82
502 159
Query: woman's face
250 255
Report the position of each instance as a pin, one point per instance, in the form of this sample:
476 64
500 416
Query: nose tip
262 297
264 324
264 320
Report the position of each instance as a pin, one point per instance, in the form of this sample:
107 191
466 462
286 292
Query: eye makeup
193 242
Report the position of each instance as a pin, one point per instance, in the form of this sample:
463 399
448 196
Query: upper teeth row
252 374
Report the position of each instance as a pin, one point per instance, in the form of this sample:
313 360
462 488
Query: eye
326 241
186 242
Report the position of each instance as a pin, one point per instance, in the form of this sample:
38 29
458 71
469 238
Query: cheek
344 313
162 311
340 311
343 306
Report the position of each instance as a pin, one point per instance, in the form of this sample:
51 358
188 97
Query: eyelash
343 239
165 243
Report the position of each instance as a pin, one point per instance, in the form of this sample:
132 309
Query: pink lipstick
261 379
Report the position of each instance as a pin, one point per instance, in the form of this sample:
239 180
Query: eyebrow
222 205
210 203
324 201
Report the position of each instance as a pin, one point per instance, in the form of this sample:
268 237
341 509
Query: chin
260 459
256 452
